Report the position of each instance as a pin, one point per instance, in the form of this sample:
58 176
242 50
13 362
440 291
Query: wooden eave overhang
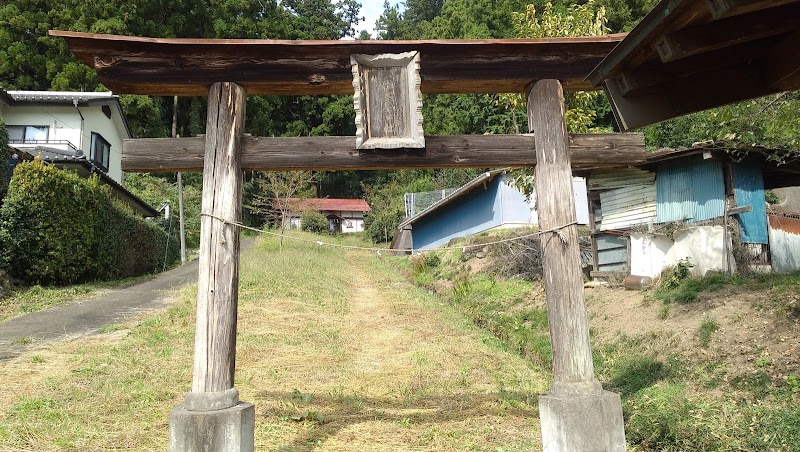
187 67
691 55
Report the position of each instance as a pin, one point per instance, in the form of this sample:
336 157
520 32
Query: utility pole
180 182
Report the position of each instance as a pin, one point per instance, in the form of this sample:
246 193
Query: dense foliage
57 228
313 221
29 59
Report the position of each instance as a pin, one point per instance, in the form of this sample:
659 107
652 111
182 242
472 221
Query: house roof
85 168
692 55
66 98
778 170
186 67
348 205
460 192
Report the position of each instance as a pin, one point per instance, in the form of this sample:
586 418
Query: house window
28 134
100 152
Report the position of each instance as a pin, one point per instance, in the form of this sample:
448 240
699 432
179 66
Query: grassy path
336 350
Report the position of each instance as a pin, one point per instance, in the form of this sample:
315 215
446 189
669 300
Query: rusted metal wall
784 240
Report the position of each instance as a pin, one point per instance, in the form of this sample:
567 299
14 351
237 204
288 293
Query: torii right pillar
577 415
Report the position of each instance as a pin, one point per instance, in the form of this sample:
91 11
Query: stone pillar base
231 429
582 423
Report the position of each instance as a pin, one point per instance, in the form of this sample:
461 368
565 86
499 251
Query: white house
73 125
76 131
344 215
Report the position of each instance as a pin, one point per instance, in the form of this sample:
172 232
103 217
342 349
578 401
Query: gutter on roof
109 99
453 196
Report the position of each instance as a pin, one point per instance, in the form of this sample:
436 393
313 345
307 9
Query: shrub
57 228
5 153
313 221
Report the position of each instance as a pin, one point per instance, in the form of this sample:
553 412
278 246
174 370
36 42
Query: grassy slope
670 402
336 350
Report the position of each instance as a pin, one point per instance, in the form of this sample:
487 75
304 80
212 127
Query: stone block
228 430
582 423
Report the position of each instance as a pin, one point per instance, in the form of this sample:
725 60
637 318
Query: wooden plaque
388 101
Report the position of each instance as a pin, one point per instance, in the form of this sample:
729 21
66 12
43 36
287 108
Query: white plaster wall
649 254
97 122
702 245
65 124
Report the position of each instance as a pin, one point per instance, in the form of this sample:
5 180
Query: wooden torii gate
576 414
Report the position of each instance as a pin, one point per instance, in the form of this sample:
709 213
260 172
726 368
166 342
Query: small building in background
705 204
487 202
344 215
75 131
67 125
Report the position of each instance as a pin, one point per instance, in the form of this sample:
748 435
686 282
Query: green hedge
5 153
58 228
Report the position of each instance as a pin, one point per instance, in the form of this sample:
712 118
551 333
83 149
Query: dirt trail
394 369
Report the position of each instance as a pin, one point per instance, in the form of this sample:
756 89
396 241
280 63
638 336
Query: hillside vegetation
714 370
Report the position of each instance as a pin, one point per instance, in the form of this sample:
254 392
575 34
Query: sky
371 10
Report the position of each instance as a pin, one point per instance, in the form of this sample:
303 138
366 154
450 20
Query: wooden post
218 283
576 415
563 279
212 418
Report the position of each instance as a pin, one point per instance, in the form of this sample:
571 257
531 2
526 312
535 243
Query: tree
771 121
277 194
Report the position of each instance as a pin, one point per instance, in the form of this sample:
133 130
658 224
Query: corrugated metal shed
748 183
628 206
691 190
618 178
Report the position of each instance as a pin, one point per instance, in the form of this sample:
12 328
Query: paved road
86 317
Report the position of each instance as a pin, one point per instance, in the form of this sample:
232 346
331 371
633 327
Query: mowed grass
335 349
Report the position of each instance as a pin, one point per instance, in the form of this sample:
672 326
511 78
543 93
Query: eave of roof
463 190
691 55
776 174
158 66
339 204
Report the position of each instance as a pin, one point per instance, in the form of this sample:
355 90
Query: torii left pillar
212 418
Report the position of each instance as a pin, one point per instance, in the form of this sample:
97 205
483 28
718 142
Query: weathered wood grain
218 282
387 101
726 8
187 67
728 32
339 153
573 370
